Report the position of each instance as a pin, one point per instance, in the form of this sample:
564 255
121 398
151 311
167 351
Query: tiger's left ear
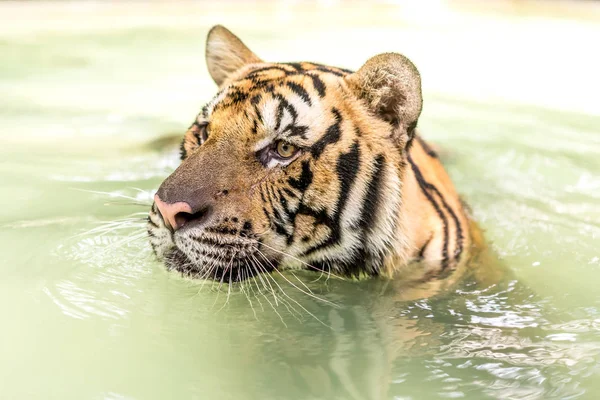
390 85
225 54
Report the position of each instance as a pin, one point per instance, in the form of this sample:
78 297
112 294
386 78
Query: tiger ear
390 85
225 54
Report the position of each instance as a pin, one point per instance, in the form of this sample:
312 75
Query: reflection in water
313 336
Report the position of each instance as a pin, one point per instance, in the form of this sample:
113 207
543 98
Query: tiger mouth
226 266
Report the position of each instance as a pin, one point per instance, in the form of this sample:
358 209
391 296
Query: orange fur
362 195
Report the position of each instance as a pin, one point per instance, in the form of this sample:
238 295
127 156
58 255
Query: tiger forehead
280 99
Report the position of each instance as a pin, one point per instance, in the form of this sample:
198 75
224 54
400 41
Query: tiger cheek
308 231
322 193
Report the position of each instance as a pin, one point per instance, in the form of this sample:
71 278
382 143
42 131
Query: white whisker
301 261
309 293
267 299
111 194
295 301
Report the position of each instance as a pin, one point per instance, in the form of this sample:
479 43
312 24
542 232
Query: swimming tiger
299 165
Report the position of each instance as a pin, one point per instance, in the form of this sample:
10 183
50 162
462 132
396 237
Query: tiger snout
202 225
181 213
195 241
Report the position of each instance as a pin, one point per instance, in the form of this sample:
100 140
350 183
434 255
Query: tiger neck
434 226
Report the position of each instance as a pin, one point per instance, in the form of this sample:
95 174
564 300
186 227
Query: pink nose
176 214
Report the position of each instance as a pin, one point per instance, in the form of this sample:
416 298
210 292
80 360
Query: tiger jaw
235 270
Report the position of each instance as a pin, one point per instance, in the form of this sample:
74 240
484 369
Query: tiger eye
285 150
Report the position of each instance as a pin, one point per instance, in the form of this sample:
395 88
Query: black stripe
423 184
271 199
347 170
254 100
275 218
289 193
235 95
283 201
424 248
332 135
278 220
330 70
318 84
289 215
267 215
262 195
365 259
268 68
449 210
296 65
266 198
301 184
182 151
291 109
300 91
320 216
371 203
284 105
279 117
280 229
297 130
258 114
304 180
260 84
272 193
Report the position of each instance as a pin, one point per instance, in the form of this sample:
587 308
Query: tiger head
290 165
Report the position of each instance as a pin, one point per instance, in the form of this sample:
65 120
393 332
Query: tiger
303 166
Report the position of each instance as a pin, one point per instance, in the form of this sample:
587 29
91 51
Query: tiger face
290 165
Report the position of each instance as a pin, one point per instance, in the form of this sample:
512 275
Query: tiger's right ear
225 54
390 86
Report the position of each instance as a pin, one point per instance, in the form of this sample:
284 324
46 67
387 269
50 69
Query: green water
87 121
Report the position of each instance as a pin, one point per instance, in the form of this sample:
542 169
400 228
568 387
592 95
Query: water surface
92 99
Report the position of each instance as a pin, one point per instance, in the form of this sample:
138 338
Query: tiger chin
306 166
